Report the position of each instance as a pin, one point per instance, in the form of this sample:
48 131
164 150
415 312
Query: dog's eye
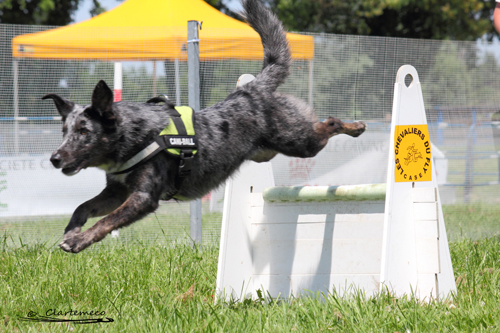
83 131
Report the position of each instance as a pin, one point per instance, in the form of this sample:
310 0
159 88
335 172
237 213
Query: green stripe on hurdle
324 193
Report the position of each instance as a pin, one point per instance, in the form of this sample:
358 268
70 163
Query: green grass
474 221
147 282
148 288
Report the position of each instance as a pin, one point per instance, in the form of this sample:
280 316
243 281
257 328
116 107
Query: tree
39 12
429 19
97 9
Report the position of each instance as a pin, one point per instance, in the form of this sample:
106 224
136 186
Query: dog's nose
56 160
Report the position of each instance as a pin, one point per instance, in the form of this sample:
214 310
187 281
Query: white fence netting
350 77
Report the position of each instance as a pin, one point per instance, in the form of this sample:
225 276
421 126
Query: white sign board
31 186
413 229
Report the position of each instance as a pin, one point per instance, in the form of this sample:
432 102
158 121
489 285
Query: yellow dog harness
178 139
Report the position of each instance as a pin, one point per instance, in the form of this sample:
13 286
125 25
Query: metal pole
154 78
311 72
440 135
177 84
118 82
469 164
194 103
117 92
15 68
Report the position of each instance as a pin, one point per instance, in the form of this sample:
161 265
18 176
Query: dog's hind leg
334 126
104 203
310 140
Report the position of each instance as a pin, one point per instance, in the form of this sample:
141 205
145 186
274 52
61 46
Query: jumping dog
253 123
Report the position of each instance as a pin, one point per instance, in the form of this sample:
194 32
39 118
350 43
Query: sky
83 12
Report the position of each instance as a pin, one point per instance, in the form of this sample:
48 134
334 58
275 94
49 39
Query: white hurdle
293 240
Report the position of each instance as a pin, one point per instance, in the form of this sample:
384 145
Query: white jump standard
292 240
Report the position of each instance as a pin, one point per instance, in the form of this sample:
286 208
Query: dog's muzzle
56 160
68 169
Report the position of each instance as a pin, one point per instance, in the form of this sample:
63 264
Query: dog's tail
277 56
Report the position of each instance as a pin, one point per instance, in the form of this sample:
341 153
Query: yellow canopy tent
152 30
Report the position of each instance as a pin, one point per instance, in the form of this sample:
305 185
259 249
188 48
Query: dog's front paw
76 242
71 233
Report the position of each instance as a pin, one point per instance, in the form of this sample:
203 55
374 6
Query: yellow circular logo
412 151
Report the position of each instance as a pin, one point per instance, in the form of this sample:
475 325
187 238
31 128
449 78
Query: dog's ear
102 101
63 105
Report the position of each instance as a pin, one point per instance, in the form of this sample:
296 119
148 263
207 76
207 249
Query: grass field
159 286
146 288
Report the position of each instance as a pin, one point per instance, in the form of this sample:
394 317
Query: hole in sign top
408 80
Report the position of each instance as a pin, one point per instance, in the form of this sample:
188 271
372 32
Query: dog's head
87 131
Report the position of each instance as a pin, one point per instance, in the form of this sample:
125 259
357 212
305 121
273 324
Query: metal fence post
440 135
15 69
177 84
311 82
469 164
194 103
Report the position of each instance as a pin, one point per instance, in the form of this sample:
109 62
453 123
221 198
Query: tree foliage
40 12
429 19
43 12
97 9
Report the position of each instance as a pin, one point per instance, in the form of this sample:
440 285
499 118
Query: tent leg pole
117 92
15 68
177 84
154 79
194 103
311 72
118 82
